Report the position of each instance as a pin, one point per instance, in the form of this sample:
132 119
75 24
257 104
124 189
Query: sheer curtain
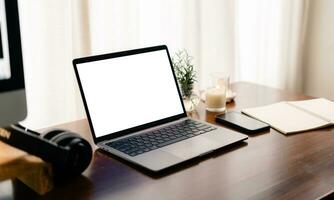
52 35
204 28
269 42
258 41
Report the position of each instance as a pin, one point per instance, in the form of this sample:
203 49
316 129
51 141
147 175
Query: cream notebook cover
295 116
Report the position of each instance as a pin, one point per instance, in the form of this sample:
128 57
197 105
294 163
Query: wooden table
269 166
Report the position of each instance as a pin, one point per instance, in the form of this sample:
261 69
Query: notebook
295 116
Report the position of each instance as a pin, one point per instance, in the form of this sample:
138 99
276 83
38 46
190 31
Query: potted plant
186 77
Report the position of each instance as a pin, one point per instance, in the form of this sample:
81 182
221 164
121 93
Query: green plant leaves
184 71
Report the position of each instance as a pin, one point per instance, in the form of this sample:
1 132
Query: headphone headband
68 153
33 144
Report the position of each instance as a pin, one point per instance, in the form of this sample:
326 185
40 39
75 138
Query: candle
221 82
216 99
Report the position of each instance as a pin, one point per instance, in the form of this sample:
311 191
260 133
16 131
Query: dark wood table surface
269 165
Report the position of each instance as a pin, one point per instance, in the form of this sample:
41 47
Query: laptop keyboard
149 141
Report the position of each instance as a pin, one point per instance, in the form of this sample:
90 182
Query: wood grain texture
268 166
29 169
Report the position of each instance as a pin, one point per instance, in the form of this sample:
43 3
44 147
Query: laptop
135 110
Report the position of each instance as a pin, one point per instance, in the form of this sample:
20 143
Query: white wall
319 50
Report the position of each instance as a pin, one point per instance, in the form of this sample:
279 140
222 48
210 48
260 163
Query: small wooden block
31 170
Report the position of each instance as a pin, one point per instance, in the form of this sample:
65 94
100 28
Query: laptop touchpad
191 147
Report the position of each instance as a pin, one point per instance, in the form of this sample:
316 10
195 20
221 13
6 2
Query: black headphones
68 153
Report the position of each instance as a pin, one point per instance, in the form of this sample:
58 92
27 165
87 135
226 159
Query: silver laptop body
131 93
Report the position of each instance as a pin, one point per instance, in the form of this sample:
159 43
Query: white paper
321 107
286 118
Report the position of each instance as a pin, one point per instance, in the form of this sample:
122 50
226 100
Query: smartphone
242 123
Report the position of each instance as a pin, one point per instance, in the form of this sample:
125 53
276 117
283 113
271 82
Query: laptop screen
129 91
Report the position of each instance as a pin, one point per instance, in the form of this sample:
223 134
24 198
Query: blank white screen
128 91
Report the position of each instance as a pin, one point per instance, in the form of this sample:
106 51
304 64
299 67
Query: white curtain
204 28
258 41
269 42
52 35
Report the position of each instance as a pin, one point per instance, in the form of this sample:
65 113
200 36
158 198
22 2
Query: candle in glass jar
216 99
221 82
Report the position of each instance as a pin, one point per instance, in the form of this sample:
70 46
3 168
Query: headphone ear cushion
64 138
51 134
80 152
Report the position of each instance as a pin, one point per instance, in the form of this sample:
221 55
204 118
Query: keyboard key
190 135
200 125
153 147
197 133
140 152
171 141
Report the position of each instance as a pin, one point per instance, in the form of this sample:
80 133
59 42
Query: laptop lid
128 91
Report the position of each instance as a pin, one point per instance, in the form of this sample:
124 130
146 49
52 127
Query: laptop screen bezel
136 128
